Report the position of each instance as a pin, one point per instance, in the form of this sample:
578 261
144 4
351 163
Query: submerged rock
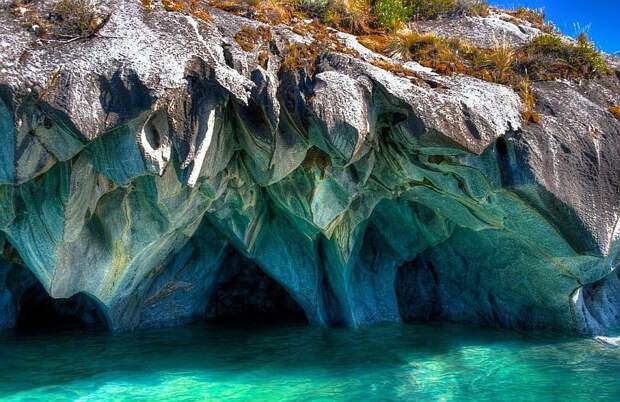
149 166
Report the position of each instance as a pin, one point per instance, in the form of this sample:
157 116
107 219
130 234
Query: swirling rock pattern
139 167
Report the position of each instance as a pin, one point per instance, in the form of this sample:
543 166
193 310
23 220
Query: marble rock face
159 165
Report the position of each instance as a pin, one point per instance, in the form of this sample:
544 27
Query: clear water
409 362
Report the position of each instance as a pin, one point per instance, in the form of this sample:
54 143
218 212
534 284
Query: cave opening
503 160
38 312
417 287
247 296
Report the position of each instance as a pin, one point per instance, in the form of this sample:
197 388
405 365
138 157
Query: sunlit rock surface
147 168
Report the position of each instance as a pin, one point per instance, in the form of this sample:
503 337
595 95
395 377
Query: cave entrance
417 291
39 313
246 296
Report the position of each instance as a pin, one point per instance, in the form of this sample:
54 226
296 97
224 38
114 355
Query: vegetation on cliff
384 26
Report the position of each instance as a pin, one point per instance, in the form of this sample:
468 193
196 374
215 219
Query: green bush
549 57
392 14
588 58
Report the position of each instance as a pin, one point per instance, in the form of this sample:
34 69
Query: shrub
301 56
392 14
352 15
534 16
248 37
552 43
394 68
479 8
272 11
587 58
548 57
148 4
432 9
268 11
77 17
430 50
197 11
501 58
314 8
615 110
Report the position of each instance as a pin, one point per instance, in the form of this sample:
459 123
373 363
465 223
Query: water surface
408 362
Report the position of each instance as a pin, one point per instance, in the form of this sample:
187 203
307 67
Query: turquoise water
408 362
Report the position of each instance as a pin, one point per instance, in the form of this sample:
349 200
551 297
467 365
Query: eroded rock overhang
136 165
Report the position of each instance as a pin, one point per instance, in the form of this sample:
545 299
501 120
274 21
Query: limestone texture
149 166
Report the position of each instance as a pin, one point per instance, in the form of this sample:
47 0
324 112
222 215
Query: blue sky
603 17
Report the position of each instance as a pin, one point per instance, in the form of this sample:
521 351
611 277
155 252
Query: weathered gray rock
495 29
149 167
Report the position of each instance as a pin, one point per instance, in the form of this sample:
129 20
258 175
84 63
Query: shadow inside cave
38 312
246 296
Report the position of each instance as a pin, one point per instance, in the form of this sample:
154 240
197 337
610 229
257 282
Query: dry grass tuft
536 17
190 6
148 4
479 8
272 11
430 50
349 15
248 38
378 43
301 56
432 9
173 6
529 102
501 58
76 17
394 68
615 110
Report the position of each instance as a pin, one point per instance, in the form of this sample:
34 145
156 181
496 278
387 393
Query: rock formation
145 167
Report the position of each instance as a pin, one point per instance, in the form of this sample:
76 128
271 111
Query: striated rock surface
486 32
160 170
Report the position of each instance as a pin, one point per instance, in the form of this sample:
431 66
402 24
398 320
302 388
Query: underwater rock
170 175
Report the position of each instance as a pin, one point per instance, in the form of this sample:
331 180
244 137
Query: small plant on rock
479 8
533 16
272 11
501 58
536 17
432 9
174 6
351 15
248 37
301 56
529 102
428 49
76 17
